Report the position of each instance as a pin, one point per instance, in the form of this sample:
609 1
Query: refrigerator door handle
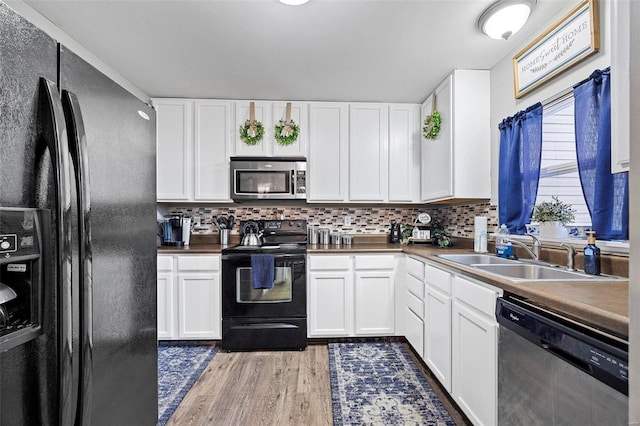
53 129
79 156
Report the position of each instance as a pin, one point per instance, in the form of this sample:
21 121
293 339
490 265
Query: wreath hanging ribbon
432 122
286 132
252 131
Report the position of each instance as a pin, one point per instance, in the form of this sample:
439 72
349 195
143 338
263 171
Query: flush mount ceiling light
504 18
293 2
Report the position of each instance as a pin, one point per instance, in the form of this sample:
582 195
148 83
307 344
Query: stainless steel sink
477 259
526 272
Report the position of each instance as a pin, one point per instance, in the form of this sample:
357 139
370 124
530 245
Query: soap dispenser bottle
591 255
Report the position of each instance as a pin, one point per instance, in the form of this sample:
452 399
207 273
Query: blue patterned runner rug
180 364
377 383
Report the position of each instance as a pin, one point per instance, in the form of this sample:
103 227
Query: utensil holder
224 236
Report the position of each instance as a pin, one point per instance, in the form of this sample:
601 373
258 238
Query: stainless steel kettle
252 239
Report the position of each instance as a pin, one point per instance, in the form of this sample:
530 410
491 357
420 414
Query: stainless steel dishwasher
553 370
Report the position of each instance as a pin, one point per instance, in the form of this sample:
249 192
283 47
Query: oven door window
280 293
263 182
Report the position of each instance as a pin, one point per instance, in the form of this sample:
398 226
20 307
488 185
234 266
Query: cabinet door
404 153
299 116
437 159
368 152
437 332
330 304
375 303
174 139
263 115
199 306
474 364
211 150
620 85
414 323
327 165
166 305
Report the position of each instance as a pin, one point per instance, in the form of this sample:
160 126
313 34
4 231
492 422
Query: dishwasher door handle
568 357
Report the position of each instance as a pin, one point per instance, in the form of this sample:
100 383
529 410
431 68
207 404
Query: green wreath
432 125
244 132
290 134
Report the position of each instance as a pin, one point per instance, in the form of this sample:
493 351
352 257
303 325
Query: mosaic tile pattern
364 220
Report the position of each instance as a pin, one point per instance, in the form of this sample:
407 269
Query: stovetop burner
279 248
279 236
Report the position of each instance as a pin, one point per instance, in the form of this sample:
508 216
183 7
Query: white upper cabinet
457 163
368 152
211 150
263 115
193 139
404 153
327 165
299 116
620 85
174 141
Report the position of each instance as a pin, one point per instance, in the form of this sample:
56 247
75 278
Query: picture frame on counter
570 40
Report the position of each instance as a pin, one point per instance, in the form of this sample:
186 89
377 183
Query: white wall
503 101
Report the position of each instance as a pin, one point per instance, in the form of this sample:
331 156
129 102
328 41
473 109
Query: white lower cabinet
189 303
459 343
413 305
351 295
330 296
475 351
374 303
437 324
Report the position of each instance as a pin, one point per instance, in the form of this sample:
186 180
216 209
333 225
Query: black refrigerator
77 151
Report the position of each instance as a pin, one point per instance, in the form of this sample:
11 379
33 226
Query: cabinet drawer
480 297
415 286
198 263
165 263
375 262
415 268
415 304
332 263
438 278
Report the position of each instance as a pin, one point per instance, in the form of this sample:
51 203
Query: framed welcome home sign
570 40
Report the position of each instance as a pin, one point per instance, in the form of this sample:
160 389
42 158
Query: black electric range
266 313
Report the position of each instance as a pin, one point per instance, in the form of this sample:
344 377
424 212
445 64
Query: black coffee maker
395 233
170 230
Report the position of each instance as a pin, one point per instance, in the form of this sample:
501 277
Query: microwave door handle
293 182
79 156
51 121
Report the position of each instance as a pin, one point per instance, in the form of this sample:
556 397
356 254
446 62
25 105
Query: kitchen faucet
535 253
571 254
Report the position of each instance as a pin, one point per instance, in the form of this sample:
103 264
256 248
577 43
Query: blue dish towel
262 267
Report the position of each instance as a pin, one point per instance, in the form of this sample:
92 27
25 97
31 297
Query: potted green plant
439 234
553 216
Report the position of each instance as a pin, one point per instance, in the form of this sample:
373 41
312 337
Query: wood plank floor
269 388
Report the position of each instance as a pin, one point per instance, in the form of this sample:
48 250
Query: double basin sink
518 270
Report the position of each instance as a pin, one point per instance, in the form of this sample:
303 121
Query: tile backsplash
458 219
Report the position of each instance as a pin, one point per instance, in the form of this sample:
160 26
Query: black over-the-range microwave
268 178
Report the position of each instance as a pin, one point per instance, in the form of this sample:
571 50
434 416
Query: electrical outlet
347 221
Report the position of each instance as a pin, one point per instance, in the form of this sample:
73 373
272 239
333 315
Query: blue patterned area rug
180 364
377 383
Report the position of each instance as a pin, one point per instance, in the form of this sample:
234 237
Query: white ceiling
329 50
